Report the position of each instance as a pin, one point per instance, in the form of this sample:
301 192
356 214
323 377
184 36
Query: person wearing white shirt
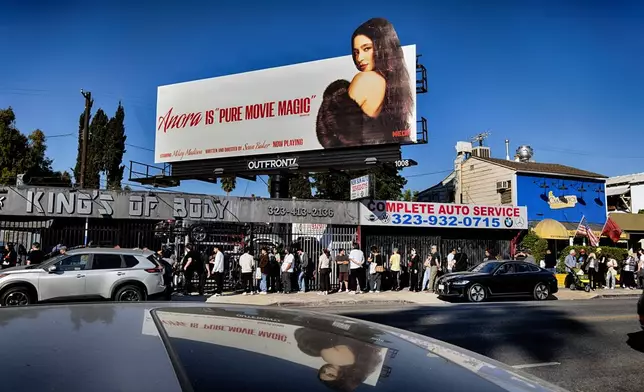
247 264
218 271
356 270
451 261
287 270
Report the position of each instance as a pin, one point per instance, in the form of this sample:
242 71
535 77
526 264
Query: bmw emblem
508 222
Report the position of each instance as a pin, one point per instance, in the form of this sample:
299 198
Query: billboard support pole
279 186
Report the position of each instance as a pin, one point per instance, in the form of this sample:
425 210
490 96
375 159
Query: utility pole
88 100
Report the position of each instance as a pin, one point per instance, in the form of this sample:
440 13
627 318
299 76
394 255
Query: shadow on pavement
190 298
636 341
537 333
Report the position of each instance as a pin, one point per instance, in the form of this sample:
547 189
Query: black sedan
499 279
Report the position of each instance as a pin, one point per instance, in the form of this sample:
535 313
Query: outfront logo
280 163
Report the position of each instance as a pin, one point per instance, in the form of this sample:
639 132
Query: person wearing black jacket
35 255
415 267
11 257
461 261
550 261
193 263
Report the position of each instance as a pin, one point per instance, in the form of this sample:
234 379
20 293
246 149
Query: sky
565 77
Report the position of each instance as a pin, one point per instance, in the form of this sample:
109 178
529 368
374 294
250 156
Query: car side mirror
51 269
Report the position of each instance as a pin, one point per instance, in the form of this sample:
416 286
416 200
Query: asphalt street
585 346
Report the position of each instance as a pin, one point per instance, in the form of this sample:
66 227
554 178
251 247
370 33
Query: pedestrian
611 274
602 268
275 272
461 261
376 269
427 272
356 270
35 255
342 260
218 271
166 264
628 272
435 268
193 264
324 270
529 258
591 270
451 261
571 263
287 269
550 261
303 277
640 269
247 264
415 266
264 265
394 267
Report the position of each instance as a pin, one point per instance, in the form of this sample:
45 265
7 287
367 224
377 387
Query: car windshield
487 267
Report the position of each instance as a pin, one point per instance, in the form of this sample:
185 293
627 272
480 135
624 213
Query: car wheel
541 292
128 293
476 293
16 296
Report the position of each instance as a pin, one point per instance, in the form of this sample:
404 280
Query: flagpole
579 225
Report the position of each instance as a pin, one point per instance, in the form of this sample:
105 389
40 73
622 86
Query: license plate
441 287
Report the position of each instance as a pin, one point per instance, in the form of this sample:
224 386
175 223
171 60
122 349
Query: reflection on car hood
161 346
462 275
21 268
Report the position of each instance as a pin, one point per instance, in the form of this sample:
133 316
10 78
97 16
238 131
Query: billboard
360 187
443 215
365 98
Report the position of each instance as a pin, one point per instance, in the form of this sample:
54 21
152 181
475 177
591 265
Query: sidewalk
315 300
312 299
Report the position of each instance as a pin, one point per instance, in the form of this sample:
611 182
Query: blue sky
565 77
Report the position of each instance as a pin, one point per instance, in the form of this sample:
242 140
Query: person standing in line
628 272
435 268
451 260
426 272
415 266
304 270
378 267
287 270
324 269
356 270
342 260
10 257
550 261
640 269
602 267
218 271
264 265
193 264
167 275
247 264
394 267
591 270
275 282
611 273
35 256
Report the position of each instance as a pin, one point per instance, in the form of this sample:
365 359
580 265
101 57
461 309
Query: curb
607 296
340 303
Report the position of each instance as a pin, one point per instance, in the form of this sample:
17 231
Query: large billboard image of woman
377 105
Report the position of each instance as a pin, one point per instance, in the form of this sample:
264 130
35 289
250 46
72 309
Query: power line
429 174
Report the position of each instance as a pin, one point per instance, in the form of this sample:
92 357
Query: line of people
602 270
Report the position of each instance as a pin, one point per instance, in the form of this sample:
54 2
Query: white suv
84 273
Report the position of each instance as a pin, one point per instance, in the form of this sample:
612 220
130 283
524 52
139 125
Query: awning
617 190
551 229
632 223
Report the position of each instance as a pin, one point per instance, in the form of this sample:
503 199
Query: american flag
584 230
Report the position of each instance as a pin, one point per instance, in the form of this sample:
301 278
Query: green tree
228 184
114 149
26 155
409 195
336 186
81 125
96 151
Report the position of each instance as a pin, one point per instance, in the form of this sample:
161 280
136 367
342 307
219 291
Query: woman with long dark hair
376 107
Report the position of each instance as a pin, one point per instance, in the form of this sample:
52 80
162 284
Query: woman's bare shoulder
370 78
368 90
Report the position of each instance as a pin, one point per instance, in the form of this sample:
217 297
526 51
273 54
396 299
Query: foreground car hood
21 269
233 347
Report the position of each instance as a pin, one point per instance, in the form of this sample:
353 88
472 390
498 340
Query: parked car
509 278
84 273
